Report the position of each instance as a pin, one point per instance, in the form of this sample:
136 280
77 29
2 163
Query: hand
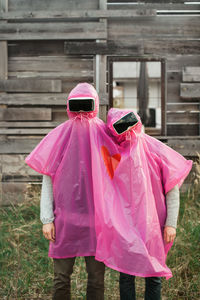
49 231
169 234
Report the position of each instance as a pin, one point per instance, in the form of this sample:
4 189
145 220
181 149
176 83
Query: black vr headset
125 123
81 104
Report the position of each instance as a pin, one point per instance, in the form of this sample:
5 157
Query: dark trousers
63 268
127 287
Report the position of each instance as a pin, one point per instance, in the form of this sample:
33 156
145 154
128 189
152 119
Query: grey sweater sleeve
46 202
173 203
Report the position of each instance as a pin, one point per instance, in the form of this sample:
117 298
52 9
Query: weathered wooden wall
47 47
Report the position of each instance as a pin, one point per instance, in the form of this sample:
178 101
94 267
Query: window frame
112 59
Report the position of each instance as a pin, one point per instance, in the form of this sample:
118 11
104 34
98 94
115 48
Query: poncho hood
84 90
114 115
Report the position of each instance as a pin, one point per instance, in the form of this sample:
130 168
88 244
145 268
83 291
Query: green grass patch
26 271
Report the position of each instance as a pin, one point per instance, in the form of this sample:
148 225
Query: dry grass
26 272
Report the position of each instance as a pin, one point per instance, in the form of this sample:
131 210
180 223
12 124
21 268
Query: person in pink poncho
64 157
137 173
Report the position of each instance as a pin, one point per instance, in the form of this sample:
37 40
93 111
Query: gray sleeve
46 202
173 203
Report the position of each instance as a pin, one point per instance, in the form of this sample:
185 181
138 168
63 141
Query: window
139 84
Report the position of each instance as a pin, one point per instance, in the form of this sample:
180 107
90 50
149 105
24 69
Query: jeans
127 287
63 268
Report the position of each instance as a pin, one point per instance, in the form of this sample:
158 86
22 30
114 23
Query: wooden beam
191 74
41 99
154 5
190 90
18 146
25 114
109 48
3 60
12 192
163 96
31 85
168 46
183 117
24 124
70 75
183 130
53 31
146 1
3 46
167 27
24 131
49 63
34 99
3 6
76 14
21 178
184 146
178 62
52 5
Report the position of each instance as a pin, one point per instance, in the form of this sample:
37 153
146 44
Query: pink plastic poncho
65 155
134 174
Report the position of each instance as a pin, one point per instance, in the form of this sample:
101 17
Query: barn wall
38 69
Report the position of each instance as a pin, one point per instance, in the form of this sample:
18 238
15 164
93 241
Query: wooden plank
20 178
173 86
111 47
178 62
24 131
186 137
60 64
163 96
103 98
103 4
168 46
3 6
184 106
182 116
12 192
59 115
3 60
18 146
62 5
100 81
35 48
184 146
76 14
68 84
182 28
181 130
23 124
25 114
191 74
154 5
31 85
146 1
70 75
30 99
41 99
53 31
14 165
190 90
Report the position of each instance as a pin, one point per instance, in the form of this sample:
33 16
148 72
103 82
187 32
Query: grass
26 271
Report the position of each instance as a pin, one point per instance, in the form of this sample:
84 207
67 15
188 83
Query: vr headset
83 104
125 123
